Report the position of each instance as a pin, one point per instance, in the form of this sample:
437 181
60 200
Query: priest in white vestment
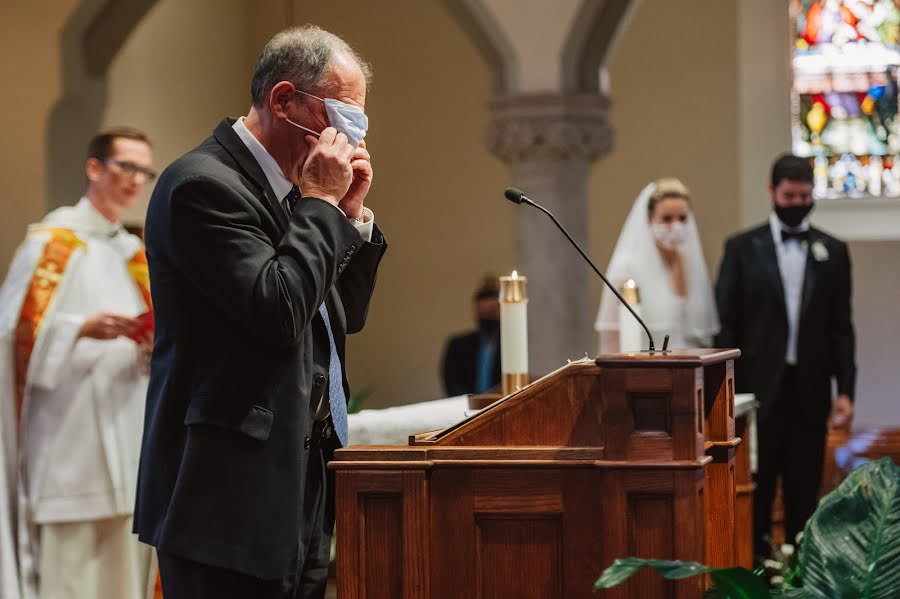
75 337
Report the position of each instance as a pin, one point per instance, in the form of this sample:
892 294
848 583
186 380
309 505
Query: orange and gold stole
44 284
140 272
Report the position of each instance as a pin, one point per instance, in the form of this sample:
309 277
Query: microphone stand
525 200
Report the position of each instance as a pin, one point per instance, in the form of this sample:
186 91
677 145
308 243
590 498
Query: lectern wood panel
535 495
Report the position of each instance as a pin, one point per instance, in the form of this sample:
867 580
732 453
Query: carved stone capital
550 127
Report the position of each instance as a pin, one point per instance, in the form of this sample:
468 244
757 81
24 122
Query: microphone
517 196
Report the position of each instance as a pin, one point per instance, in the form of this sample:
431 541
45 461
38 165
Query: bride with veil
659 248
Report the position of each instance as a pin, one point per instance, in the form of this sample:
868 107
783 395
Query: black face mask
488 325
792 216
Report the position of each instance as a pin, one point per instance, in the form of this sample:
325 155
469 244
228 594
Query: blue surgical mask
346 118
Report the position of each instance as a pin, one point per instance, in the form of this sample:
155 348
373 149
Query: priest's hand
841 413
352 202
108 325
327 173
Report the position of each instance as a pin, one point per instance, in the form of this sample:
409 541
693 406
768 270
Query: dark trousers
791 445
185 579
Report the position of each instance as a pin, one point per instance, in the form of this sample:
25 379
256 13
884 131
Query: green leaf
736 583
622 569
354 404
740 583
851 545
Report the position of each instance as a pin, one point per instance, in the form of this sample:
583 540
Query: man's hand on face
327 172
352 202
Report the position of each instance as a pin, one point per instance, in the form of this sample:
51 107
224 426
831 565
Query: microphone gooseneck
517 196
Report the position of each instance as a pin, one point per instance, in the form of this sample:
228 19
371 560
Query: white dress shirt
281 185
792 266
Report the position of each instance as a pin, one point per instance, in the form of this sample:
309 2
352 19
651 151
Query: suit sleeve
357 281
728 297
844 337
454 381
270 291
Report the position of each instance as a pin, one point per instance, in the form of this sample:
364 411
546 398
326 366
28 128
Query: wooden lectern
532 497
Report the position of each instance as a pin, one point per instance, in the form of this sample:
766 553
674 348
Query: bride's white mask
669 236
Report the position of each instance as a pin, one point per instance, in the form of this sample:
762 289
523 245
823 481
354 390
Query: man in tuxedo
784 300
262 257
471 361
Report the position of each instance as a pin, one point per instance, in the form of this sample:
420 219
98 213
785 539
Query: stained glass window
844 98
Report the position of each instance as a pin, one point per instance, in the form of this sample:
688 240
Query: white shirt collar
279 183
86 214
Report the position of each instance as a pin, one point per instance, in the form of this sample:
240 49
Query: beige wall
179 107
673 110
876 296
31 70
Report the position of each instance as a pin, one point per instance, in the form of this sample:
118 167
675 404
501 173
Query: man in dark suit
784 300
471 361
254 289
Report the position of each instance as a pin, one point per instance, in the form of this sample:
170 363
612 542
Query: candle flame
630 284
515 274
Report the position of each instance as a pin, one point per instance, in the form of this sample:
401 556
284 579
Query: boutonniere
819 251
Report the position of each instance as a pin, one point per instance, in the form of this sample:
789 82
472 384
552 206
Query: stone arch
592 40
488 37
90 40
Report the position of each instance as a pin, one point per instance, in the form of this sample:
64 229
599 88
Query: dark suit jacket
750 298
241 355
460 364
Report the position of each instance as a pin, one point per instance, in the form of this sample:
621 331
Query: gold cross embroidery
48 275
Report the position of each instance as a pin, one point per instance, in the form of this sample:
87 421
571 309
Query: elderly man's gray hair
300 55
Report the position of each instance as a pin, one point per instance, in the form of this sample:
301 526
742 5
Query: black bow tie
797 235
292 198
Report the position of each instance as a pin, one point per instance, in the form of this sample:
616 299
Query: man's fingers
346 153
312 140
124 322
328 136
361 167
361 153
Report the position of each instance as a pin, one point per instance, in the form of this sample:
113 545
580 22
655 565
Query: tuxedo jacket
753 313
240 358
460 364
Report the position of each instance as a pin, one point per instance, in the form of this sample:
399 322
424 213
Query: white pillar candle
513 332
631 334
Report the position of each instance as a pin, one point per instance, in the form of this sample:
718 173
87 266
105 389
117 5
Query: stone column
549 142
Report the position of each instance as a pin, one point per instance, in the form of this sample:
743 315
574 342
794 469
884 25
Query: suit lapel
811 272
765 248
234 146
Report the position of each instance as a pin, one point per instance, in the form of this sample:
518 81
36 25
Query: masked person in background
659 249
784 298
471 361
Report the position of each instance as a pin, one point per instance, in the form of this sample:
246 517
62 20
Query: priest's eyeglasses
131 169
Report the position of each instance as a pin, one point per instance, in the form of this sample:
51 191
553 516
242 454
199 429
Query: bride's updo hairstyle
667 187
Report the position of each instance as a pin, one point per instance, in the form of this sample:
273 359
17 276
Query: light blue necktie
337 400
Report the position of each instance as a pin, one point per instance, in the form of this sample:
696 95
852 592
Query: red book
145 326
